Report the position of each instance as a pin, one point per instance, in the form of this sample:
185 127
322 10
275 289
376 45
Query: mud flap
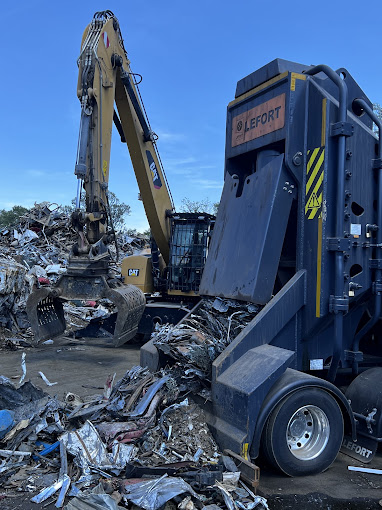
365 397
363 450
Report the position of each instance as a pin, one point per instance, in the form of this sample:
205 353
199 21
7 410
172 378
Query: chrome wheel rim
308 432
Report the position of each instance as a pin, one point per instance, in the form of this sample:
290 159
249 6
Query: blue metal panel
258 218
267 324
320 259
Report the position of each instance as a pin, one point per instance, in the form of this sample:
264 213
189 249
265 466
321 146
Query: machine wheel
304 432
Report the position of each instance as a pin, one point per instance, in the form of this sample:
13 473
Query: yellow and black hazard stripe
314 182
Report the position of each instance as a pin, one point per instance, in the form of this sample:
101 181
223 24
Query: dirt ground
336 488
78 366
82 366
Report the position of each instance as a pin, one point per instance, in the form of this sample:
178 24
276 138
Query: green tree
197 206
12 217
133 232
118 209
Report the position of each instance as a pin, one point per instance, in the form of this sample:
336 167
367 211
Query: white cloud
36 173
182 171
187 167
207 167
175 162
5 204
165 136
208 184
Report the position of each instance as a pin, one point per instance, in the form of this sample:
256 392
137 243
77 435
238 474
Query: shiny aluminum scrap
87 449
199 339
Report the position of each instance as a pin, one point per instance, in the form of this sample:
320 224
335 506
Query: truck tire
304 432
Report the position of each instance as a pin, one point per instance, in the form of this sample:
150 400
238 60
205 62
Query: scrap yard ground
82 367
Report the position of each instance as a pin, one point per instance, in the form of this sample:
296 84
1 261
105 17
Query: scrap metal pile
197 341
36 253
141 442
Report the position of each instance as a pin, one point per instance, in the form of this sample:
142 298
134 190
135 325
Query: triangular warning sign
313 202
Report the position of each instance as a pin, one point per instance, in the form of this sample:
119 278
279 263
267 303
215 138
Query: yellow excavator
169 277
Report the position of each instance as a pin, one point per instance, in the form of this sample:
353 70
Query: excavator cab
188 250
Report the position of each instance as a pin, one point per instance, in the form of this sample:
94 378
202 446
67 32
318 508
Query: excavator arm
105 78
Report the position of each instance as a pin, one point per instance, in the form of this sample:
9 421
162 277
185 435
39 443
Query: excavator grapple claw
130 302
45 306
46 314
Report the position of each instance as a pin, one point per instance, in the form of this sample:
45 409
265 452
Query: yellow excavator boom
105 78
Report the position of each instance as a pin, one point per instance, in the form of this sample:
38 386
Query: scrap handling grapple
45 305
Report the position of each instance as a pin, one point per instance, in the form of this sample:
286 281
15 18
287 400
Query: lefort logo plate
259 121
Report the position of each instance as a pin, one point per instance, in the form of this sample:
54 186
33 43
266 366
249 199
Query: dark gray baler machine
298 232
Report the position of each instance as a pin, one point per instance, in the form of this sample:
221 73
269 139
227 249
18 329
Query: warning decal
313 202
314 182
104 168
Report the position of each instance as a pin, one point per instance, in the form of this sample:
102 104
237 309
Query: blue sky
191 54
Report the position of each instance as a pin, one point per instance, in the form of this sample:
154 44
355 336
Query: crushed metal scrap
140 442
34 254
198 340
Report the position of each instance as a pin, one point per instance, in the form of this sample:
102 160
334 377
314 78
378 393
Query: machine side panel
258 218
267 325
319 188
314 203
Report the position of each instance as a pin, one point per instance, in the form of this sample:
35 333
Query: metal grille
188 251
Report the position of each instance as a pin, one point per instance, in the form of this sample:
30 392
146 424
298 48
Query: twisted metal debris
34 254
198 340
140 441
